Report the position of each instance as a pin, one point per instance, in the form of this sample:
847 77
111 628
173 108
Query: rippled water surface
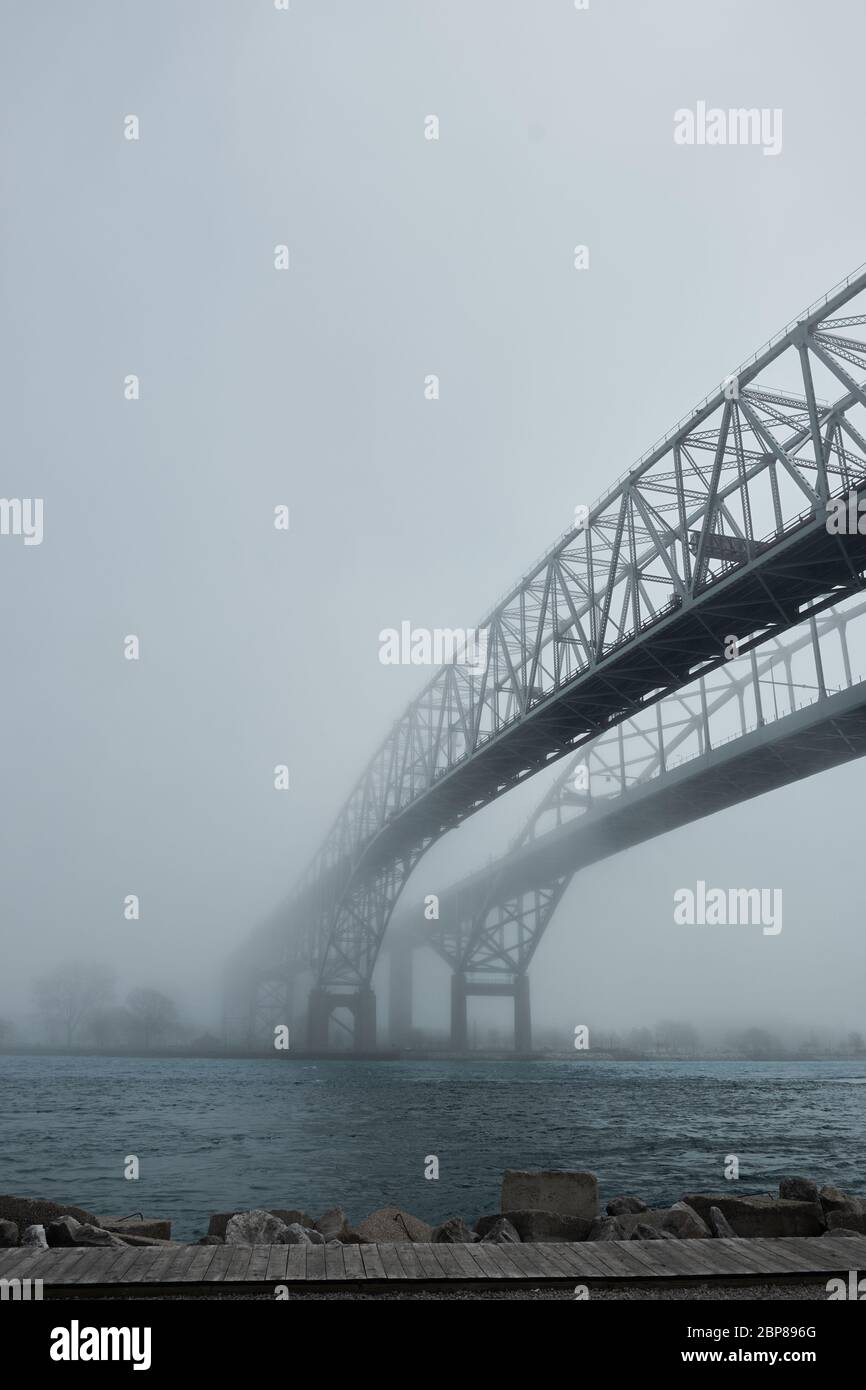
221 1135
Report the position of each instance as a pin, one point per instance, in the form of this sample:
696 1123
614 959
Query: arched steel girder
720 528
493 921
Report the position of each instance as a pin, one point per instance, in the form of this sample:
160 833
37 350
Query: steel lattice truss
493 922
720 528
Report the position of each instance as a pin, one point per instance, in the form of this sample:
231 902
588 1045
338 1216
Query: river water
223 1135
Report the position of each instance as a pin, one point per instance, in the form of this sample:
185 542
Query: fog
305 388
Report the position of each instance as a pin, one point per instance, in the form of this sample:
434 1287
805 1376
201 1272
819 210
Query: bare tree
66 995
154 1013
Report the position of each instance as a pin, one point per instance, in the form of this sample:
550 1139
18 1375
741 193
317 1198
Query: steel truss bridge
720 530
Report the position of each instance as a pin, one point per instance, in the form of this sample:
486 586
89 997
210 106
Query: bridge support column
400 956
522 1015
318 1018
365 1020
459 1019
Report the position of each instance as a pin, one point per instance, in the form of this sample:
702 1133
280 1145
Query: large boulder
543 1226
453 1231
502 1232
334 1225
625 1206
644 1232
719 1225
220 1219
760 1216
66 1231
296 1234
390 1224
154 1229
607 1228
35 1237
567 1194
798 1190
846 1220
843 1231
38 1211
256 1227
679 1221
832 1199
8 1232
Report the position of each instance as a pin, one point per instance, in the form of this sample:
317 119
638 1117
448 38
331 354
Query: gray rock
607 1228
315 1237
543 1226
798 1190
36 1237
623 1206
846 1220
832 1199
760 1216
502 1232
679 1221
719 1225
453 1231
220 1219
38 1211
644 1232
155 1228
296 1234
256 1227
8 1232
333 1225
842 1231
66 1231
566 1194
685 1223
211 1240
390 1224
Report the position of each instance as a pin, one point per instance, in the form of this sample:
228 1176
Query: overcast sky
305 387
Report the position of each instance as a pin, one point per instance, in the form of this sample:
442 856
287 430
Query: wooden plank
467 1264
408 1257
34 1264
99 1272
11 1257
667 1255
164 1271
499 1257
556 1254
182 1263
278 1259
526 1259
426 1258
144 1262
734 1255
334 1266
257 1269
390 1262
353 1262
446 1257
198 1265
372 1262
811 1254
481 1255
315 1261
573 1258
296 1263
57 1267
237 1270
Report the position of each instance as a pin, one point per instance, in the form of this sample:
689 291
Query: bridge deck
184 1267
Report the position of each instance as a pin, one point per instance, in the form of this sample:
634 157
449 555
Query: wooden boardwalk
197 1267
